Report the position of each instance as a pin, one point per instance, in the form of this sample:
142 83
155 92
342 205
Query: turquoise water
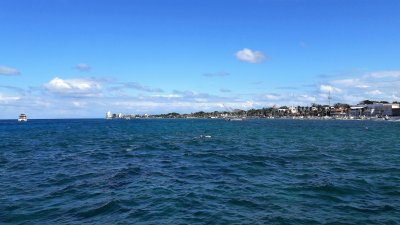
199 172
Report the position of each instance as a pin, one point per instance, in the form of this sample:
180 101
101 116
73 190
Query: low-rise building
376 109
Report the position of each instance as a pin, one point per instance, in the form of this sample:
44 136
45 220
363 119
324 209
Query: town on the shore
366 109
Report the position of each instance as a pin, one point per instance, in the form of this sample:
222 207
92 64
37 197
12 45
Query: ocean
199 171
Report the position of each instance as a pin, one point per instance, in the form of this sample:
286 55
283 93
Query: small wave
131 148
107 208
244 203
123 177
369 208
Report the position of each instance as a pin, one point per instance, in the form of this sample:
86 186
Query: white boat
22 118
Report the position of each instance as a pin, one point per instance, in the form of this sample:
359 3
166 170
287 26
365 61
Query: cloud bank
92 97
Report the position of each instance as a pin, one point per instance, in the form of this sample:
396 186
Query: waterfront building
376 109
108 115
293 110
338 112
357 110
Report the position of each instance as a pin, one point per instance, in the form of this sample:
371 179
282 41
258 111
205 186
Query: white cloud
8 99
329 88
8 71
83 67
74 87
224 90
352 83
308 98
167 96
347 82
78 104
378 85
362 86
375 92
92 97
272 97
137 86
248 55
384 74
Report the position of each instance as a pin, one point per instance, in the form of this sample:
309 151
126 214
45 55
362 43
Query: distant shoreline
392 119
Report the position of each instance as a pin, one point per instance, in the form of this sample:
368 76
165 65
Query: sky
80 59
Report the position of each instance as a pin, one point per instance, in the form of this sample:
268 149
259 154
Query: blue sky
70 58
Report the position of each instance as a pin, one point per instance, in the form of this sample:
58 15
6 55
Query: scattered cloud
136 86
83 67
385 74
73 87
217 74
140 87
250 56
287 88
7 99
348 82
223 90
377 85
91 97
362 86
273 97
308 98
78 104
288 99
169 96
8 71
375 92
191 94
328 88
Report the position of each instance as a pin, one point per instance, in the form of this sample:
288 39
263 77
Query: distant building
376 109
109 115
379 109
358 110
395 109
293 110
338 112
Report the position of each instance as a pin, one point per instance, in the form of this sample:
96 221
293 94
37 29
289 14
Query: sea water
199 171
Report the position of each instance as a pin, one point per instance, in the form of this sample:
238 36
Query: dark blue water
199 172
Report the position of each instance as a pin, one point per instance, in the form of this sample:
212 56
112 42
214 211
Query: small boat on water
22 118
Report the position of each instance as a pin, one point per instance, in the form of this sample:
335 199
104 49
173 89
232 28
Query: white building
108 115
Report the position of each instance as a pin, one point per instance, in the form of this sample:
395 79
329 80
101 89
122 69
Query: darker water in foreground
167 172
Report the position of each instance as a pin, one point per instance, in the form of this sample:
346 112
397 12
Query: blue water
199 171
